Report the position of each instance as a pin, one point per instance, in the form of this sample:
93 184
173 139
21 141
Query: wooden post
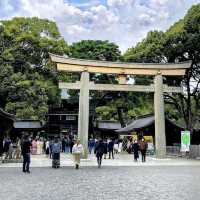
160 137
83 119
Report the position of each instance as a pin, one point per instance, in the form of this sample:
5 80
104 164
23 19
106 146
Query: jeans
111 152
90 149
26 162
67 149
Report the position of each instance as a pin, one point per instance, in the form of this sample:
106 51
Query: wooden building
145 126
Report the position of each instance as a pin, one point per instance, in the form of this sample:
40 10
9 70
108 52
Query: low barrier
176 151
194 151
173 150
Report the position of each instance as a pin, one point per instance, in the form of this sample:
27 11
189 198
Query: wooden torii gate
122 69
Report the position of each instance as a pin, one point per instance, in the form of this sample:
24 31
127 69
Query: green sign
185 141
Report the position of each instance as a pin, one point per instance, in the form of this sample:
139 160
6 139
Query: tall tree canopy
28 79
95 50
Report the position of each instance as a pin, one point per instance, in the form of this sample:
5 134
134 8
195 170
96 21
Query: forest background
29 80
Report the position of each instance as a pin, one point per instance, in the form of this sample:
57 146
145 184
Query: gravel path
110 183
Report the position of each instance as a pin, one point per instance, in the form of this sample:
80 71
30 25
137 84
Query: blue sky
124 22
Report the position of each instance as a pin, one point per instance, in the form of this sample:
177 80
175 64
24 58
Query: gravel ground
110 183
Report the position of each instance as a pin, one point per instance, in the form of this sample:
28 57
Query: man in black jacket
110 149
100 149
26 150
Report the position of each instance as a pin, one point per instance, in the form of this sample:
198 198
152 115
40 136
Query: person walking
135 149
120 146
91 144
56 149
6 146
71 144
99 151
47 148
26 153
50 148
18 149
116 146
106 148
63 144
67 145
110 148
77 151
34 147
10 150
143 149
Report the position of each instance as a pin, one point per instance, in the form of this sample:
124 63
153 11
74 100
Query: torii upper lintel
105 67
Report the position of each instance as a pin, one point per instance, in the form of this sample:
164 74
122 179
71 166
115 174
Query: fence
194 151
173 150
176 151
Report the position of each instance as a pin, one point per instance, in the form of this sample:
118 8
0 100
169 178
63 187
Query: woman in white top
77 150
120 147
47 148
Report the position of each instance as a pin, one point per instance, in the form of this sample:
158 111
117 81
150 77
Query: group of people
56 148
53 148
112 146
101 148
12 149
27 146
139 146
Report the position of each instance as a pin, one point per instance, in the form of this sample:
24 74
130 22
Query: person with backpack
143 149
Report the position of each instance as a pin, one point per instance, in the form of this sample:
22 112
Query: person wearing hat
77 151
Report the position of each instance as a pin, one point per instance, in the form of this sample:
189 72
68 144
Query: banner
185 141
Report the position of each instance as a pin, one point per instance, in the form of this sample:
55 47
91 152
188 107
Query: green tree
95 50
25 44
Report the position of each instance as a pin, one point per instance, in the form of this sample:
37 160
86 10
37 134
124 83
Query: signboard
149 140
185 141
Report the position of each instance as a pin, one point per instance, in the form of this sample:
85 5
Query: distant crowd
106 148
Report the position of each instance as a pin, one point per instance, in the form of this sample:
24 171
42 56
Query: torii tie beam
84 85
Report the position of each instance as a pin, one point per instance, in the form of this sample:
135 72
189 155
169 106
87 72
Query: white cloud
124 22
120 3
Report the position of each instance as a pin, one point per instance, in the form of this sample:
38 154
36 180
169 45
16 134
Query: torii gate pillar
83 116
160 137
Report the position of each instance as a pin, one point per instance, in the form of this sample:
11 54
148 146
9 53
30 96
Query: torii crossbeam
84 85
